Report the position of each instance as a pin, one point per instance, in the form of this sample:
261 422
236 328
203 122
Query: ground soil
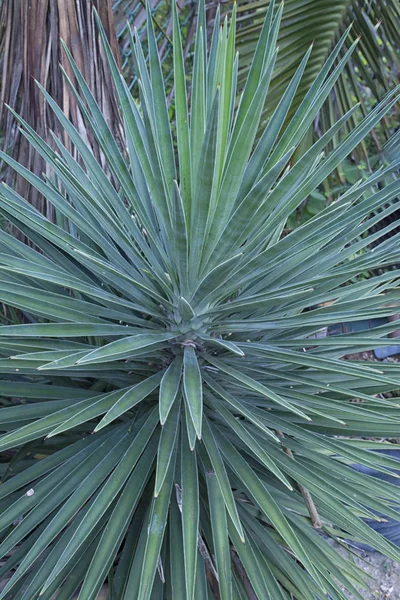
382 576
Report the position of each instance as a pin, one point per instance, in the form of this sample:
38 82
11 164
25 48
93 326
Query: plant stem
309 502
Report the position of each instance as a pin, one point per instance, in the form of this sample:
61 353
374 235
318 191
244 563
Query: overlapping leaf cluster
372 70
181 426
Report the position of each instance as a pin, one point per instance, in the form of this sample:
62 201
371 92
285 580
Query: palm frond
372 71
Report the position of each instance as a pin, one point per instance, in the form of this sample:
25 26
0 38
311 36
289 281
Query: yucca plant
181 428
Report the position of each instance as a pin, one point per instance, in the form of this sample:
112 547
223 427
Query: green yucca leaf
203 194
130 398
177 567
82 493
124 347
257 569
155 533
251 442
254 385
161 120
193 388
109 491
180 238
220 535
166 449
169 387
183 425
214 465
198 101
181 115
189 500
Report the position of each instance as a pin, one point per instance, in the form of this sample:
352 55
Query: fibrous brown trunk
31 50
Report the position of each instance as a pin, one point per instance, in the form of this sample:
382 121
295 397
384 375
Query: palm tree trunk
31 50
